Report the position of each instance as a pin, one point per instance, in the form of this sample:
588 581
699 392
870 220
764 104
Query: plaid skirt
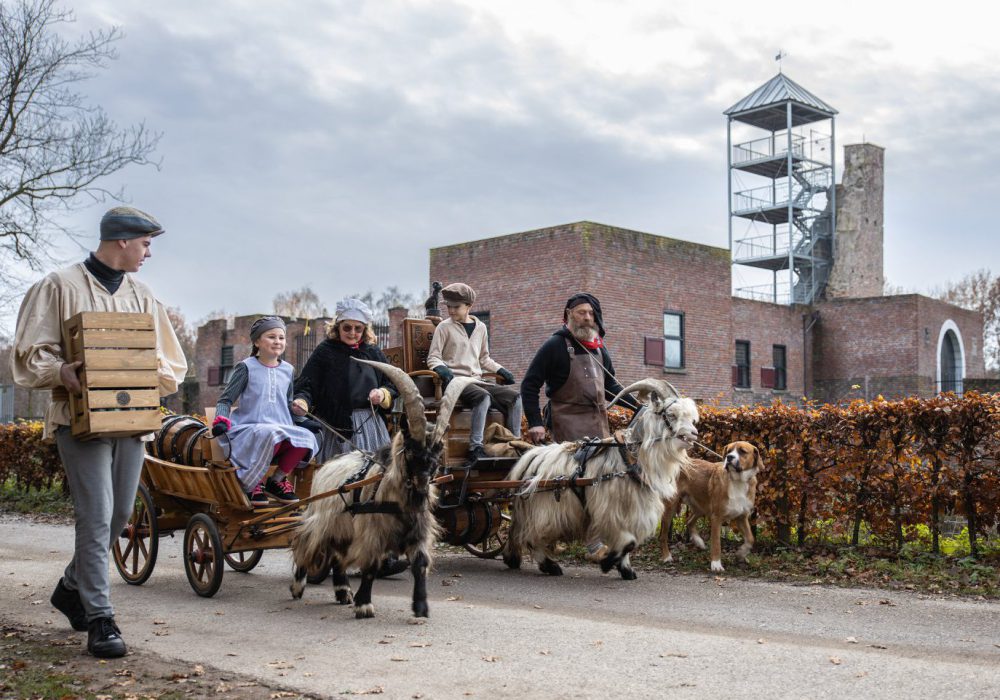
370 434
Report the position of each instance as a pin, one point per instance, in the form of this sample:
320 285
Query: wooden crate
120 395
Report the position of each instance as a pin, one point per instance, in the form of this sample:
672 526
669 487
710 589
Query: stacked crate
120 396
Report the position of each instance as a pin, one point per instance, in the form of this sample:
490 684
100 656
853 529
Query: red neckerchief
355 346
592 345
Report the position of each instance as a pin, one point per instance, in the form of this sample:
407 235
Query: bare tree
980 291
54 146
299 303
389 298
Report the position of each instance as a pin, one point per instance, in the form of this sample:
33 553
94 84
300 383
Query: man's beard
586 333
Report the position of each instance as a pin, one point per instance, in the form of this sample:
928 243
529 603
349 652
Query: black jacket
550 367
334 386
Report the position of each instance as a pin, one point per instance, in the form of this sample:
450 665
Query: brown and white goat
620 511
402 520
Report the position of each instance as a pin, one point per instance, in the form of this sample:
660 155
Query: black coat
334 386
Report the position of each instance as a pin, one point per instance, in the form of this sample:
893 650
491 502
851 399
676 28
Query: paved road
495 633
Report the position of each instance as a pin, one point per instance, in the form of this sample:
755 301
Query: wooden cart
208 504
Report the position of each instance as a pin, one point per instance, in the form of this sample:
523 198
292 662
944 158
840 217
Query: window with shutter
673 340
741 375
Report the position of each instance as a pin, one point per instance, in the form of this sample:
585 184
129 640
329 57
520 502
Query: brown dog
724 491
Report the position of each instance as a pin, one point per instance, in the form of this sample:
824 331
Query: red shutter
654 351
767 377
736 375
214 376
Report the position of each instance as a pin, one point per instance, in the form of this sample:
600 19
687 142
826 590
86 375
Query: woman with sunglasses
349 396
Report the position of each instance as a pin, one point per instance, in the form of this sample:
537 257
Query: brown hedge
25 460
886 464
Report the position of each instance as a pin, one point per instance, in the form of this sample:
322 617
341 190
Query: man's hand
299 407
505 374
445 373
69 378
536 434
376 397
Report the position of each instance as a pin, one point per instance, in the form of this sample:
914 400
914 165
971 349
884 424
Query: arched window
950 358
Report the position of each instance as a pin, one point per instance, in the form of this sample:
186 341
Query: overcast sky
331 144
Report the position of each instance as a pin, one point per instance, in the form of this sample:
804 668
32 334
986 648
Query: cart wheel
318 576
203 555
135 549
244 562
492 546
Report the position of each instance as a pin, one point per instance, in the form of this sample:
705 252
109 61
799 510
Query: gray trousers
103 475
479 398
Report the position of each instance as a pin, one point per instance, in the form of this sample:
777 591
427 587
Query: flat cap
123 223
458 293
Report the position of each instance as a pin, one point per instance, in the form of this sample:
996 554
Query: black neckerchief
109 278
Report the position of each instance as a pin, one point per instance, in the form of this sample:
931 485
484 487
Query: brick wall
888 346
766 325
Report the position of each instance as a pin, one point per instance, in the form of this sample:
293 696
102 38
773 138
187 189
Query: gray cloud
333 143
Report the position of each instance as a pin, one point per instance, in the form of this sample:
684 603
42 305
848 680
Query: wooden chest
120 388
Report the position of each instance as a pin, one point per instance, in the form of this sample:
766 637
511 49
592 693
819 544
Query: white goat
620 511
402 520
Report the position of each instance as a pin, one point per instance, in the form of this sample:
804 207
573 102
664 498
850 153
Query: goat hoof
420 608
296 589
627 574
513 561
610 562
667 559
717 567
550 567
363 611
344 596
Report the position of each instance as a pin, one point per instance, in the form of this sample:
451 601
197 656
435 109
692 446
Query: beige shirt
465 355
38 353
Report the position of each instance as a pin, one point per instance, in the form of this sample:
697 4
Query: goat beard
586 333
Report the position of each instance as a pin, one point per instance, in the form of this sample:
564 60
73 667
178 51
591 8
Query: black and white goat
396 517
621 511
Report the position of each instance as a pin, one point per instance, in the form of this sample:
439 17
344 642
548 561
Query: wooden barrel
171 441
470 522
197 452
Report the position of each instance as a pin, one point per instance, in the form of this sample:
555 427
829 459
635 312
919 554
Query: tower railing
767 148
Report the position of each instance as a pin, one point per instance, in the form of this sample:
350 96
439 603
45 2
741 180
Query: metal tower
782 201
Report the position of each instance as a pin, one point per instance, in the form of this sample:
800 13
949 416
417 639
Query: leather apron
578 408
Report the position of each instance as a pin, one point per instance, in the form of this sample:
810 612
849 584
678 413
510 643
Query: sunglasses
351 328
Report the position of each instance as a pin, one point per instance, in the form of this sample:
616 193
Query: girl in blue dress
260 430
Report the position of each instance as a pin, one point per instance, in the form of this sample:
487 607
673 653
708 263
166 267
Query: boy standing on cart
461 347
102 473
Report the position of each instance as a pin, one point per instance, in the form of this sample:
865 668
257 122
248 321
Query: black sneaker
281 490
477 453
258 499
104 639
68 603
392 566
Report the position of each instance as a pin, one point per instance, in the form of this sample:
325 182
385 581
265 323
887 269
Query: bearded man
579 378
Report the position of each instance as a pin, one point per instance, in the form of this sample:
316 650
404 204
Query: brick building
659 292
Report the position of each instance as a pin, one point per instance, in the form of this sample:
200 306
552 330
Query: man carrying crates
102 467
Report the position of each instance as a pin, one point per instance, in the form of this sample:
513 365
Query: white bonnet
354 310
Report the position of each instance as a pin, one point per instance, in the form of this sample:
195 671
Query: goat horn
412 403
654 386
455 388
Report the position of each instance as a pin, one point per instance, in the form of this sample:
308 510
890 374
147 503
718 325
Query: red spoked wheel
203 555
135 549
